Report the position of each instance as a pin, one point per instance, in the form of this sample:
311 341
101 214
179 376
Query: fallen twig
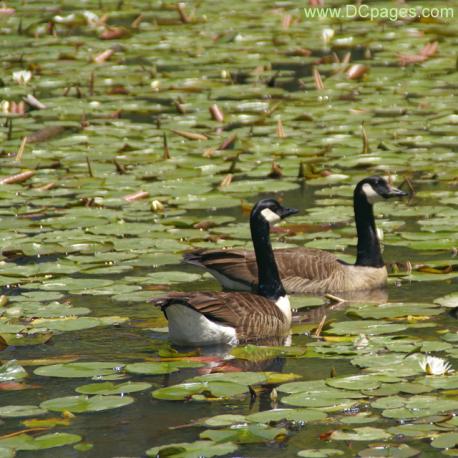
320 326
20 151
18 178
136 196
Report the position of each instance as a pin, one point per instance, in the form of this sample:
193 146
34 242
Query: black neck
369 253
269 283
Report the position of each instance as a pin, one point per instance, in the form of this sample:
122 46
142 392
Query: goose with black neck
212 318
309 270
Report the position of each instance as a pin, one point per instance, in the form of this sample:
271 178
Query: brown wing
301 269
251 315
238 265
309 263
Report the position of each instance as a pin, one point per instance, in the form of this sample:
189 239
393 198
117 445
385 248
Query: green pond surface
132 131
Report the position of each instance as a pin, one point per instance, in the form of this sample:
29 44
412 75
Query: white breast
283 304
188 327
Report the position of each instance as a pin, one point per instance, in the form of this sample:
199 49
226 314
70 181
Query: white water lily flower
22 76
361 342
157 206
327 35
5 106
92 19
435 366
65 19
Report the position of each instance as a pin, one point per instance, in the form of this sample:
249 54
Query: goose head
376 189
271 211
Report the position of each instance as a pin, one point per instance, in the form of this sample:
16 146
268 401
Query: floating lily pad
79 369
21 411
446 440
360 418
159 367
295 415
80 404
365 433
109 388
394 310
355 382
224 420
450 300
242 378
168 277
188 450
393 450
367 327
320 452
249 434
43 442
7 452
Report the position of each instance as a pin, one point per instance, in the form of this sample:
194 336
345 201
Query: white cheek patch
270 216
371 194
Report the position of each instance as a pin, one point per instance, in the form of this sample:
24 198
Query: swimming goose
210 318
309 270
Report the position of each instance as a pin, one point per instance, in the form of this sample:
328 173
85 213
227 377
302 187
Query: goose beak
285 212
395 192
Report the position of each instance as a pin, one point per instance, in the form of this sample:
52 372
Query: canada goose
211 318
309 270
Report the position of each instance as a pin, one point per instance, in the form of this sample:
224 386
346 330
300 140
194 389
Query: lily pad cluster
123 146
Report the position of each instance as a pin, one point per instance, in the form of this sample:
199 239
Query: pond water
121 161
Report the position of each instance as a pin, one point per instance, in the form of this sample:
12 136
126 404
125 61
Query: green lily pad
193 449
21 411
391 450
446 440
216 389
396 364
242 378
80 404
178 392
79 369
7 452
393 310
365 433
450 300
68 324
27 442
27 337
173 277
160 368
320 453
249 434
355 382
295 415
360 418
109 388
224 420
367 327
